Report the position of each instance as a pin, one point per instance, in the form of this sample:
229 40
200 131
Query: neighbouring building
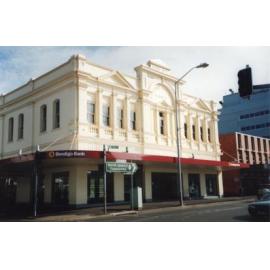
247 115
70 112
248 149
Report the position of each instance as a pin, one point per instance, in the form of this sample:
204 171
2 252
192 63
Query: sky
19 64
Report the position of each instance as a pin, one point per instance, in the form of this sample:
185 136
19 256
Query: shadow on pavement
251 219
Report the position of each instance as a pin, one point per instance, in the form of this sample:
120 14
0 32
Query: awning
112 156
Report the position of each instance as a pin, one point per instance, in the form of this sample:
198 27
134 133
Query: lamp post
177 116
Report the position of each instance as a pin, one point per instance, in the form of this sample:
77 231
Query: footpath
86 214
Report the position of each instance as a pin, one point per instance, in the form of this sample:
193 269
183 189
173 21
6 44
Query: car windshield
266 197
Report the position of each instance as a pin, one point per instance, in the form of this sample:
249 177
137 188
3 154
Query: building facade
248 149
247 115
73 110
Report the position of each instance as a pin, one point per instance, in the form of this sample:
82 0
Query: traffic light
245 82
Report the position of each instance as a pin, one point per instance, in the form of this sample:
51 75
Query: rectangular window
43 118
20 126
161 123
90 112
120 117
201 132
106 115
246 142
193 132
133 120
252 144
209 135
185 130
56 114
10 129
239 141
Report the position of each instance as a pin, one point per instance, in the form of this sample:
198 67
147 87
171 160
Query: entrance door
211 184
194 186
95 187
60 188
8 188
164 186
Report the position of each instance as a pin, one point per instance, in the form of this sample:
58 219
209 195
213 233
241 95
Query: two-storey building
73 110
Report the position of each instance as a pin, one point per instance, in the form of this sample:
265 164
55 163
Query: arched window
56 113
10 129
43 118
20 126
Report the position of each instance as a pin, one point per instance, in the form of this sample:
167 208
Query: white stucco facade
147 99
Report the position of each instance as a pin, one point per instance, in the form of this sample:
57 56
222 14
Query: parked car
263 191
260 207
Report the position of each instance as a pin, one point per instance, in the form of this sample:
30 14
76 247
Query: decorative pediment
201 105
115 78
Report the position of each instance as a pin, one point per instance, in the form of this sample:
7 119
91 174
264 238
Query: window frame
90 112
20 126
43 118
106 117
56 114
133 120
11 129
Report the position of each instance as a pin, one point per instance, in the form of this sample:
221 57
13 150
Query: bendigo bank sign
66 154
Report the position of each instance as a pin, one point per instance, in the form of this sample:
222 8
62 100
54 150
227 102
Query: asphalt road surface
221 212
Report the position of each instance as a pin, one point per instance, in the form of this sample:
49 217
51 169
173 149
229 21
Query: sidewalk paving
116 210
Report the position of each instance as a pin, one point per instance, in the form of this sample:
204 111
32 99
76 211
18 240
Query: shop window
10 129
56 113
43 118
90 112
20 126
106 115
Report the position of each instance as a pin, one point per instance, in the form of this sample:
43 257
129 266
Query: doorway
211 184
164 186
60 188
95 187
194 186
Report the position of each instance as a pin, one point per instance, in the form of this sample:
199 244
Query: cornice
55 83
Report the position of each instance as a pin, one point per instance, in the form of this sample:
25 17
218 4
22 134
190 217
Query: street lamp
177 114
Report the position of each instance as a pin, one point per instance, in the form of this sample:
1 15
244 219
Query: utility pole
105 179
36 182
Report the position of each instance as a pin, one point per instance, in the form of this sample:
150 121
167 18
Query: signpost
120 166
126 168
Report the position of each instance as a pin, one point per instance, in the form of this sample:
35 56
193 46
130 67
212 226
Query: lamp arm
184 75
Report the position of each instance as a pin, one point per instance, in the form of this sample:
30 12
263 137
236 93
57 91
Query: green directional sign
127 168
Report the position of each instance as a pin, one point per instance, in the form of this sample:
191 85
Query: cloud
19 64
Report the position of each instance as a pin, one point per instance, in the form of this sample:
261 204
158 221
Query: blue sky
19 64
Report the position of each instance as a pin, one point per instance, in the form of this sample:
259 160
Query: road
229 211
